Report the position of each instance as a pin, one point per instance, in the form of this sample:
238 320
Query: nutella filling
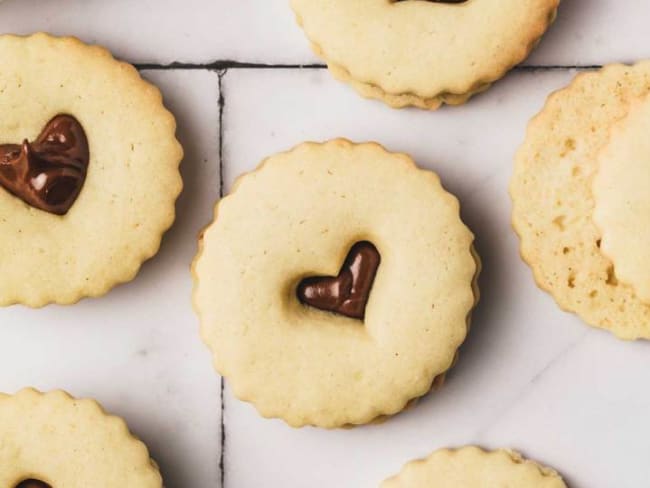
437 1
32 483
47 174
348 293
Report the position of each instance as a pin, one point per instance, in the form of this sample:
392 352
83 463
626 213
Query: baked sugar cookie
622 197
88 170
471 467
423 53
51 440
335 285
553 203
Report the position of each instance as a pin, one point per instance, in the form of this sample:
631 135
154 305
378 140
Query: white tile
167 31
518 336
594 32
137 350
261 31
591 407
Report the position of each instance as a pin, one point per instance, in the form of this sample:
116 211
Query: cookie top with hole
553 203
622 199
335 284
88 170
51 440
421 52
471 467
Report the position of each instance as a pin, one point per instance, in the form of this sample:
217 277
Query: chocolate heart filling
49 173
437 1
32 484
348 293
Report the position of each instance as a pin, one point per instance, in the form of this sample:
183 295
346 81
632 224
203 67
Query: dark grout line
227 64
222 104
558 67
224 65
222 457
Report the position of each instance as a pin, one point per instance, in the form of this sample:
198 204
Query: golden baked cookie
51 440
471 467
335 285
553 203
622 198
423 53
88 170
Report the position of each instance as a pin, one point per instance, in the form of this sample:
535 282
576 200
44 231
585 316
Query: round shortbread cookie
69 443
297 216
471 467
404 100
622 196
423 53
117 152
553 203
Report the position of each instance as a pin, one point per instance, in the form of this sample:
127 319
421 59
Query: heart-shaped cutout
348 293
31 483
436 1
49 173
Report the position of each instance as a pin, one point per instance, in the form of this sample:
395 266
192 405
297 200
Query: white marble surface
530 376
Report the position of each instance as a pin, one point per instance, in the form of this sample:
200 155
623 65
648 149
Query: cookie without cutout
471 467
622 196
71 443
553 204
423 53
126 199
298 216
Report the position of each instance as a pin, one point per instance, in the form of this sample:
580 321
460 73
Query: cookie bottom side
553 204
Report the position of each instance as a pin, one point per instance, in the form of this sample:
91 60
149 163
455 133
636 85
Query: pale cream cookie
622 196
553 203
472 467
88 170
335 285
419 52
51 440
